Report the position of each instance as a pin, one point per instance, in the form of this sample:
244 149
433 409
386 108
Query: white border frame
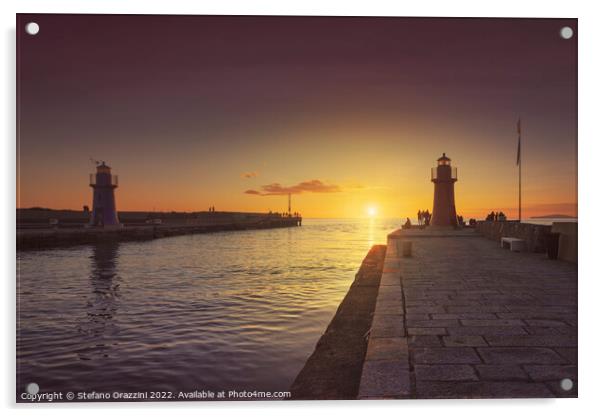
590 150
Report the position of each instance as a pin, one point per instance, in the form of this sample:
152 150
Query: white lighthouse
104 211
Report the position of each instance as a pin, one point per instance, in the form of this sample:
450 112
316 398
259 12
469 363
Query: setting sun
372 211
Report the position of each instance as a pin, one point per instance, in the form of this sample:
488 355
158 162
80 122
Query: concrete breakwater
464 318
459 317
38 234
334 369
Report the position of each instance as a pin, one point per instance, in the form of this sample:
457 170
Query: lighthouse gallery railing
114 180
454 173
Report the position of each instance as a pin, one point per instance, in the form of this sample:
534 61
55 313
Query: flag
518 150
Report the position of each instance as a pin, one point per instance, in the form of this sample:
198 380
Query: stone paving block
384 379
541 310
424 297
546 323
417 316
481 292
551 331
492 323
391 273
424 340
501 373
389 293
389 290
570 354
551 372
390 282
421 304
424 309
559 300
445 373
388 307
388 348
387 325
482 389
432 323
487 331
502 300
433 331
530 316
556 340
520 355
476 308
444 355
466 316
464 340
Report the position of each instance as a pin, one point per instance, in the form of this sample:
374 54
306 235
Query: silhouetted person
427 218
407 224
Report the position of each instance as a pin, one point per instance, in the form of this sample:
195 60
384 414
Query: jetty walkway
464 318
45 238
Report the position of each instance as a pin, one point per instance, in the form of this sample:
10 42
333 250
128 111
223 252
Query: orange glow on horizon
365 174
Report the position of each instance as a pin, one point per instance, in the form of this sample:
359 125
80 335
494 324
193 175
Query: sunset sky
347 114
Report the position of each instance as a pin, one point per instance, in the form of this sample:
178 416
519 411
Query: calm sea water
237 310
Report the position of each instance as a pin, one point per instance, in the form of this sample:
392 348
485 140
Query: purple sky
182 106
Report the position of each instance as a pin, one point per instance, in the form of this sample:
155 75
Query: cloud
310 186
252 174
254 192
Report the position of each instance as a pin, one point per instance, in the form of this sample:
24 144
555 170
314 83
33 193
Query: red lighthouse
104 212
444 205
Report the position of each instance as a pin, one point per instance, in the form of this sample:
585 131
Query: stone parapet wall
533 234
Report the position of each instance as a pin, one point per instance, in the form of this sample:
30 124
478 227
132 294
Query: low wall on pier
57 237
533 234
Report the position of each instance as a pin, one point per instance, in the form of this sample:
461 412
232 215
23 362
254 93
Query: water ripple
220 311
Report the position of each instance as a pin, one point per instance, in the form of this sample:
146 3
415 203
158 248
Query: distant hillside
554 216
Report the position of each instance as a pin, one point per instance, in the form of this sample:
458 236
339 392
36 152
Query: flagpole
520 191
520 176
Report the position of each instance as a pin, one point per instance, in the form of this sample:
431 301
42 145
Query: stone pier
464 318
